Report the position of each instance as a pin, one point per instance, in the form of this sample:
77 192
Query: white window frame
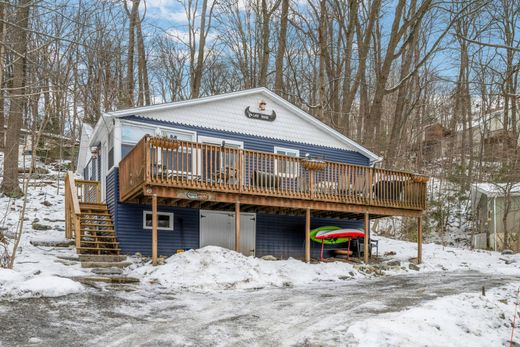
287 150
123 124
219 140
158 130
154 130
216 141
169 214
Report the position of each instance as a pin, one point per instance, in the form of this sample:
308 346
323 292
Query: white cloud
166 10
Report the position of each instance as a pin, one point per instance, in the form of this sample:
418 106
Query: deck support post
308 235
419 240
366 238
154 229
237 226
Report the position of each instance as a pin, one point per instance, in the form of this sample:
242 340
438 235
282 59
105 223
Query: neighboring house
434 142
252 152
489 207
48 141
490 136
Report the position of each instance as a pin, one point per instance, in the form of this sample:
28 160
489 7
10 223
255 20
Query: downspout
495 221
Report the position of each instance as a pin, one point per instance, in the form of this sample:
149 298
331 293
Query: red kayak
335 234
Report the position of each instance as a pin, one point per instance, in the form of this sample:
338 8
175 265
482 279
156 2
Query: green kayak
327 241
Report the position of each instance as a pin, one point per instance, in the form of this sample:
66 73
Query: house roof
492 190
480 121
497 189
225 112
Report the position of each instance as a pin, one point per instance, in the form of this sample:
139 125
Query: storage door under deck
217 228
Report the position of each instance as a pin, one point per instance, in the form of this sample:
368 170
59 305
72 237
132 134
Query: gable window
287 167
166 161
164 220
131 134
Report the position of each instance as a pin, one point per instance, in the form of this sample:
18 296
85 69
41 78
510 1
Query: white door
217 228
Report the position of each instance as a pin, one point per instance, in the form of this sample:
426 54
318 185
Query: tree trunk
199 67
403 92
133 14
322 43
3 33
264 57
282 41
144 87
10 184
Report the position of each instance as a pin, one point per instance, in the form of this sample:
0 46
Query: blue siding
112 193
128 222
284 236
264 144
133 238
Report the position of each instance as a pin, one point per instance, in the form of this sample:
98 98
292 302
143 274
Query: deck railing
191 165
88 191
72 209
76 192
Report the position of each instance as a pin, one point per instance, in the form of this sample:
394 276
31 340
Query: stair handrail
72 208
85 186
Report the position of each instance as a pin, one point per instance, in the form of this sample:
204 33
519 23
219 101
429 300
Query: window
164 220
131 134
287 168
177 134
180 161
110 149
225 159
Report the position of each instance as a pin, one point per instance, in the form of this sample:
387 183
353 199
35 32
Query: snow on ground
458 320
37 271
16 284
211 267
214 267
440 258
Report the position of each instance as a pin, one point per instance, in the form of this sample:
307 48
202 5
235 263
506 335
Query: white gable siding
84 148
228 115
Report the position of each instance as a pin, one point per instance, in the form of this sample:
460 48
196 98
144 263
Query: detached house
490 204
245 170
492 135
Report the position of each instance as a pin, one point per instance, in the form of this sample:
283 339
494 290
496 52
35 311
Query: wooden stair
97 234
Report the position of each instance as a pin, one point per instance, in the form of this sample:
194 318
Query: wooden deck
191 174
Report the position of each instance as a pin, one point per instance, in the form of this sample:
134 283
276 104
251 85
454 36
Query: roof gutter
376 161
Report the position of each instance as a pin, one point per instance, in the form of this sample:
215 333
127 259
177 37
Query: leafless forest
430 85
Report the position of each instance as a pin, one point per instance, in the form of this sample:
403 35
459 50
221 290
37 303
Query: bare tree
133 15
198 47
282 43
20 30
